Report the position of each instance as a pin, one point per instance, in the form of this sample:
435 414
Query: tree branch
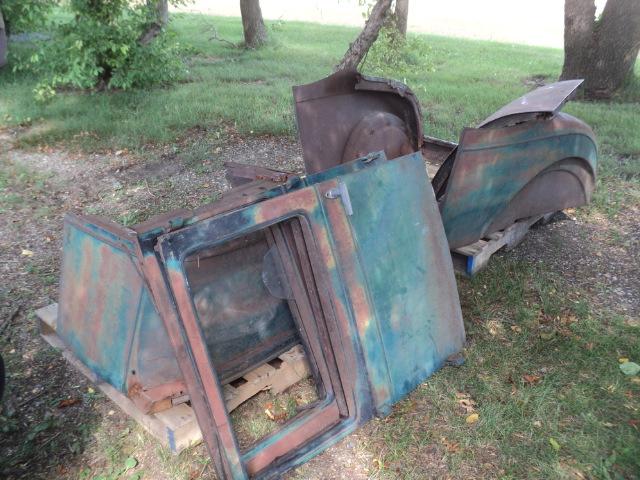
359 48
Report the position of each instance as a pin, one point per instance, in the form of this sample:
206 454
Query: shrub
101 46
392 55
25 15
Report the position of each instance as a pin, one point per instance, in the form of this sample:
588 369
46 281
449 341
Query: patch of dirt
594 253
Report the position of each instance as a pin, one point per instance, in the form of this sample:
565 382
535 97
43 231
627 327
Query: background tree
18 16
157 22
401 14
255 33
601 50
3 42
361 45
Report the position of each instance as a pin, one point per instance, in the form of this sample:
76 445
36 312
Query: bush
392 55
101 47
25 15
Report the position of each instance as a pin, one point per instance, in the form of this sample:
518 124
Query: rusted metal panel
500 175
526 159
108 319
348 115
543 101
377 282
100 296
240 173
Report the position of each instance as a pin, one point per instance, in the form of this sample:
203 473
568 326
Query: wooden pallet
177 427
471 258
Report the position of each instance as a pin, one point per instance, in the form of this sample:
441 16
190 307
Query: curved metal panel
348 115
547 99
493 165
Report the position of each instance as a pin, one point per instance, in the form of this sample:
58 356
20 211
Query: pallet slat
177 427
471 258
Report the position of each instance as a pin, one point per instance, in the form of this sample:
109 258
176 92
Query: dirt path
43 438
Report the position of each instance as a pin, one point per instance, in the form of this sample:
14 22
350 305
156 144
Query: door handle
342 192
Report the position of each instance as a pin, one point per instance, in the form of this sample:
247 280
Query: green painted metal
390 285
493 165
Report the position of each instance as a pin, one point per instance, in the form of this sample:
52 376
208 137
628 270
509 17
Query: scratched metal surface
388 286
407 270
500 172
547 99
492 166
348 115
106 316
99 298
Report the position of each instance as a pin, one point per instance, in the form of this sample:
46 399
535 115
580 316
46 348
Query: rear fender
493 166
565 184
348 115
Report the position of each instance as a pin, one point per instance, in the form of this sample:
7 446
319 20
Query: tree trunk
162 18
255 33
401 13
163 12
602 51
3 42
359 48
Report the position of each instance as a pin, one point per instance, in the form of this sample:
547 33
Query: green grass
524 321
458 82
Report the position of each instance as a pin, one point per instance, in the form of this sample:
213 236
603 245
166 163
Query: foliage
393 55
25 15
250 90
99 47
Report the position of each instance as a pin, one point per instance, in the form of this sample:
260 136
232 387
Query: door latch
342 192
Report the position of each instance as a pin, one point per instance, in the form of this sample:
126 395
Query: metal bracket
342 192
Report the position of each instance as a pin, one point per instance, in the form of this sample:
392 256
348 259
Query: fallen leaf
467 404
516 328
623 360
554 444
531 379
90 390
68 402
634 423
630 368
451 447
27 253
130 463
473 418
537 423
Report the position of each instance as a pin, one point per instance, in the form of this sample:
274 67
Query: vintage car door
359 255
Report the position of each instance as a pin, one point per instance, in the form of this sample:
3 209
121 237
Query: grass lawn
542 365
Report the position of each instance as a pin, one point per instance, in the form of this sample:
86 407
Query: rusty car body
185 302
526 159
351 261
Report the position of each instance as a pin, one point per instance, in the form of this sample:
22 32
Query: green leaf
630 368
130 463
554 444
